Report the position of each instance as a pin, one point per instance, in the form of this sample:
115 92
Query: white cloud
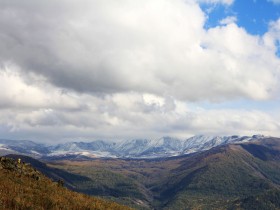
91 68
274 1
273 34
228 20
225 2
113 117
142 46
20 93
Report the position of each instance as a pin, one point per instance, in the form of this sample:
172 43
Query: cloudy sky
122 69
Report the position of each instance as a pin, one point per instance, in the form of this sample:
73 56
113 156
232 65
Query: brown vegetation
22 187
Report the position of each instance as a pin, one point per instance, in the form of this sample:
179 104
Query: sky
126 69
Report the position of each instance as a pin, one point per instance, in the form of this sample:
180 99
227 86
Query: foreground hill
23 187
234 176
53 173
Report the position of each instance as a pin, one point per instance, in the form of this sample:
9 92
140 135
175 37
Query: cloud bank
93 68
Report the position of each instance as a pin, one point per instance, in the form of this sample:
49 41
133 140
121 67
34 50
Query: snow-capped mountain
23 147
90 149
137 148
163 147
200 143
82 146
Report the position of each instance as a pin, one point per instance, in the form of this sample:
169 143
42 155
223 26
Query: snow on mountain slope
137 148
24 147
201 143
149 148
132 147
91 149
163 147
80 146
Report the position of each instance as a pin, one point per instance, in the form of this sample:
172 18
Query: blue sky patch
278 48
253 15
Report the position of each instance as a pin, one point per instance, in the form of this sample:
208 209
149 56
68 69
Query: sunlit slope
23 187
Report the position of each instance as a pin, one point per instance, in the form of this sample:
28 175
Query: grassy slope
22 191
52 173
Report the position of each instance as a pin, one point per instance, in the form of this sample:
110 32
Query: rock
19 167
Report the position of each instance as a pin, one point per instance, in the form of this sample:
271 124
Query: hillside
225 177
23 187
52 173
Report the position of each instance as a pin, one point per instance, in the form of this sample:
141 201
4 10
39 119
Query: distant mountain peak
136 148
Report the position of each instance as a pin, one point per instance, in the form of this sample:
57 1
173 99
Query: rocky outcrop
21 168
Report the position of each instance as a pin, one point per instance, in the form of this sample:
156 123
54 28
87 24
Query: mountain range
244 175
136 148
212 172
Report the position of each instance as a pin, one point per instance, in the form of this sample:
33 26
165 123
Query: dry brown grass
18 191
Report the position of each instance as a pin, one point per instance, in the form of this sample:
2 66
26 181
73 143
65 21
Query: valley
229 176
